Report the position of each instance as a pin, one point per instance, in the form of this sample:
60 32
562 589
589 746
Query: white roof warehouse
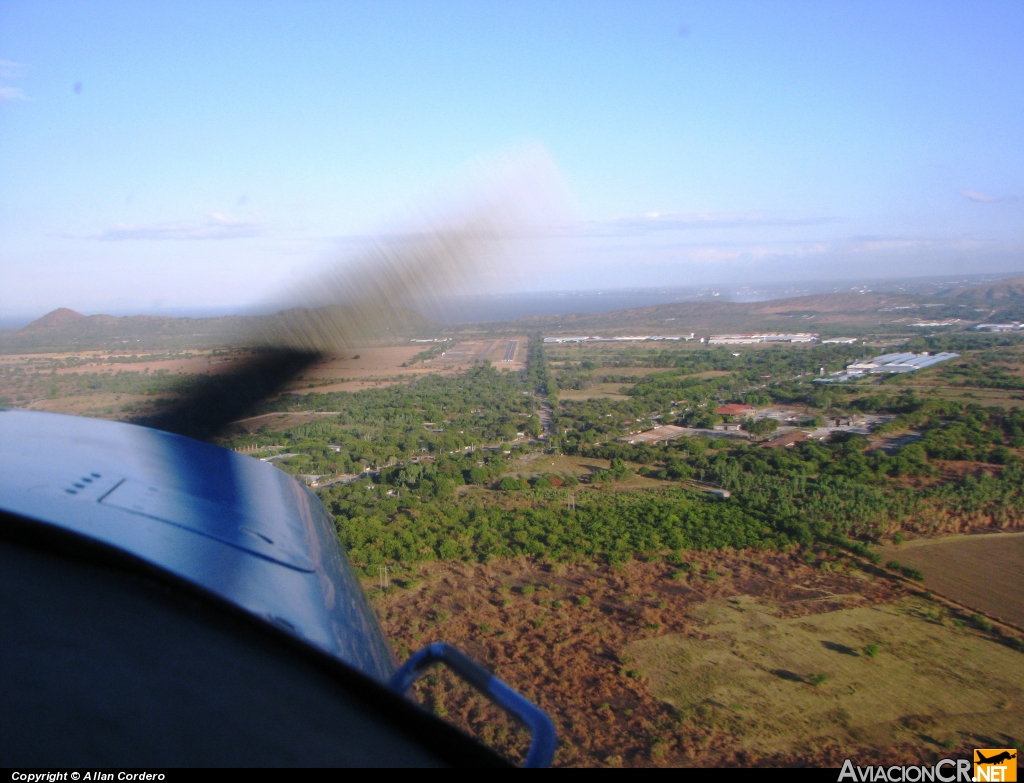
899 362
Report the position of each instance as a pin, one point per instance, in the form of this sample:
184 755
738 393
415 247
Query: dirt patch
985 572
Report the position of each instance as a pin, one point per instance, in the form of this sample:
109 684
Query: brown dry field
21 358
984 572
204 364
577 641
376 366
382 366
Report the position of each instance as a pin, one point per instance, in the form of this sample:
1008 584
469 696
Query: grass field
538 464
599 391
803 683
985 572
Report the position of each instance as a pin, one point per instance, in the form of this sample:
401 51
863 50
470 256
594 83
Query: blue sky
201 155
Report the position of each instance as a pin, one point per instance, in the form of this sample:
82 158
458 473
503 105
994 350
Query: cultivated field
985 572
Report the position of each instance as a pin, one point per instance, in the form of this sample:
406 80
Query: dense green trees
761 427
612 526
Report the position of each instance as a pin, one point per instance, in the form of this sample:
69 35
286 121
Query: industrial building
898 362
771 337
999 327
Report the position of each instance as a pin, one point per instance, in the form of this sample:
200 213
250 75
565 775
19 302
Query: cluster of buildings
771 337
636 338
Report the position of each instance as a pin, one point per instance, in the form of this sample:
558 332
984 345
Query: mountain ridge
1012 289
66 329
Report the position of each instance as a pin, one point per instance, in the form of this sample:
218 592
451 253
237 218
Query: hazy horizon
180 156
483 308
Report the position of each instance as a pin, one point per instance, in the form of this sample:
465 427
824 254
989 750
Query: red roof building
786 441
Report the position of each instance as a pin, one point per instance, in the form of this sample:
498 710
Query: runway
510 354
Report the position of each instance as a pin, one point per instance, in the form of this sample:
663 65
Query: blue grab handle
542 730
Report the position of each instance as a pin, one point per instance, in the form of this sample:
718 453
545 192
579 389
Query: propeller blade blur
377 290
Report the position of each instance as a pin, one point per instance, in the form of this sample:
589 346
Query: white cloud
11 94
683 221
217 226
11 70
980 197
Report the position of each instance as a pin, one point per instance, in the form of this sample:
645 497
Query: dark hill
64 330
58 319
